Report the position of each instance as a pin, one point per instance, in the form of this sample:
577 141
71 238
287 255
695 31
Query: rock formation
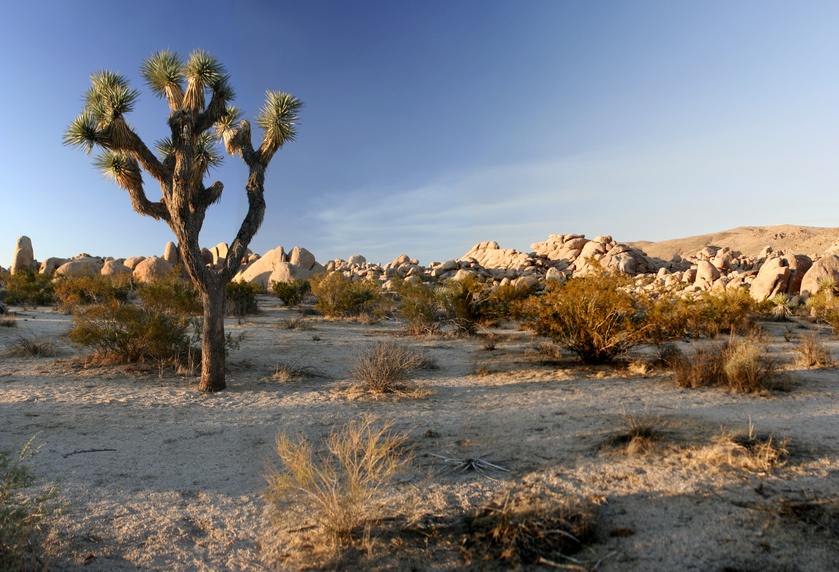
24 256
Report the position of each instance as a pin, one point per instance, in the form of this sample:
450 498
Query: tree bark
214 298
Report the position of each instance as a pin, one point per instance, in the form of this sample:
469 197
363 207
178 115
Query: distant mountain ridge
749 240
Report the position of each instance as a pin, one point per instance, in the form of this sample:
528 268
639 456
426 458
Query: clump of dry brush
337 487
739 365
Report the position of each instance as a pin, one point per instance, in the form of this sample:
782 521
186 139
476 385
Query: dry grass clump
286 372
812 353
21 515
640 434
740 366
384 367
526 527
297 324
8 322
749 451
31 346
337 488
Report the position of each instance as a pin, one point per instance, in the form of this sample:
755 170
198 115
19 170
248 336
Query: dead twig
88 451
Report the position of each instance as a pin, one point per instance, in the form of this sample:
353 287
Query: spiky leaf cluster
278 119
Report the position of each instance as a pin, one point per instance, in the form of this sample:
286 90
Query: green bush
722 313
339 296
28 288
131 333
291 293
241 298
420 306
593 317
468 303
709 314
824 305
506 302
171 294
83 290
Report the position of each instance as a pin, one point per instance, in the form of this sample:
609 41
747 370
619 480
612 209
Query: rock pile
560 257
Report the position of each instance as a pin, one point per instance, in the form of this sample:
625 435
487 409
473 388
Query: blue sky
432 125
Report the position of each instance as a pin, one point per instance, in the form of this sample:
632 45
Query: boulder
114 268
219 253
133 261
260 271
825 268
799 264
287 272
706 273
87 266
50 265
771 280
593 249
151 268
24 256
356 260
302 258
170 253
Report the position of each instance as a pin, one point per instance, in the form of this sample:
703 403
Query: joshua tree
183 162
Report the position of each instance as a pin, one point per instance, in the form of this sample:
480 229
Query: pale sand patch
158 476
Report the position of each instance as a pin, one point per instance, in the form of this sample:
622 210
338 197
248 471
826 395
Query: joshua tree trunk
185 159
212 339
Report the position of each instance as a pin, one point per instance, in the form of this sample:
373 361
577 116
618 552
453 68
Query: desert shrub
526 527
507 301
291 293
29 345
339 296
812 352
22 515
171 294
8 322
338 486
131 333
82 290
241 298
592 316
28 288
467 303
824 305
420 307
384 366
778 307
721 313
703 368
741 366
667 318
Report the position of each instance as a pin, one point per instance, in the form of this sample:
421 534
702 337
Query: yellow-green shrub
291 293
27 288
71 292
593 317
339 296
420 306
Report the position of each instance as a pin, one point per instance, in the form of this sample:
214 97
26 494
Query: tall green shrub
593 317
340 296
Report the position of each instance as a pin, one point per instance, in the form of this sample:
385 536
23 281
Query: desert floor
155 475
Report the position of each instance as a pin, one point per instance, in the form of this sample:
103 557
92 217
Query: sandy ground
155 475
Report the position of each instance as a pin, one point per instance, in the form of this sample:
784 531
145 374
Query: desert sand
155 475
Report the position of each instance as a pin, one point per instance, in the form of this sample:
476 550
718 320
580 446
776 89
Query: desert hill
749 240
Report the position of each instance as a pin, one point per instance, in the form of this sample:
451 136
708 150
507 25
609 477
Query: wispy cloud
633 194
